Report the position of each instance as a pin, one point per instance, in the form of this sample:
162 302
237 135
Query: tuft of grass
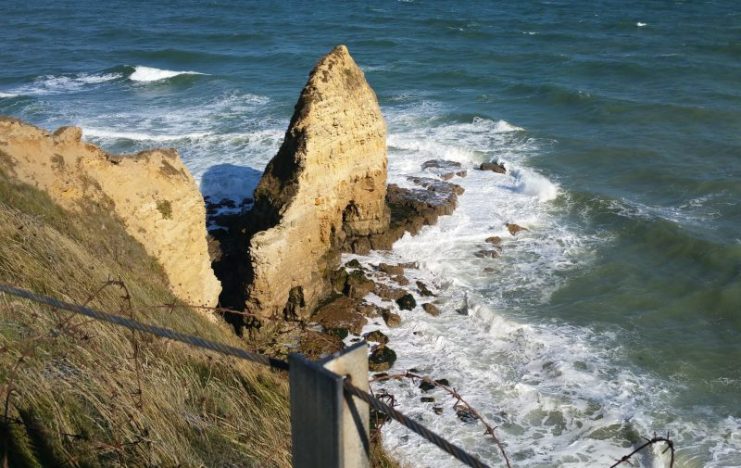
165 208
84 393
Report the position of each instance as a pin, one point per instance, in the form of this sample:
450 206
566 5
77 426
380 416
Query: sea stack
152 192
325 190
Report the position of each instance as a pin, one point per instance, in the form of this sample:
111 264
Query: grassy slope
71 385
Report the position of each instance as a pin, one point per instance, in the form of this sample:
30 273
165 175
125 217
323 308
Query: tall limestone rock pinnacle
151 192
324 189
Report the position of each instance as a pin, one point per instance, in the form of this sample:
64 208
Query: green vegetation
82 393
165 208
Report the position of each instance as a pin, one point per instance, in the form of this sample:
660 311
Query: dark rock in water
382 358
390 270
413 370
438 410
515 228
406 302
401 280
464 413
423 290
443 382
427 399
431 309
444 169
315 345
463 309
441 164
417 333
354 263
412 265
494 167
377 336
340 313
495 240
426 385
486 254
368 310
388 293
489 270
411 209
358 285
392 320
437 185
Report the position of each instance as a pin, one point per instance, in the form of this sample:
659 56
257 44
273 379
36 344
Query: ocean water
616 315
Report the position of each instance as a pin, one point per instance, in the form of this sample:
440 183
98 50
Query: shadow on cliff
228 191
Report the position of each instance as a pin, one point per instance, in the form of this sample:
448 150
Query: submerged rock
323 192
444 169
486 253
494 167
377 336
515 228
388 293
494 240
423 289
431 309
390 270
381 359
152 192
406 302
392 319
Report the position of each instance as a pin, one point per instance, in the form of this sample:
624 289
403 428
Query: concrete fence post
329 429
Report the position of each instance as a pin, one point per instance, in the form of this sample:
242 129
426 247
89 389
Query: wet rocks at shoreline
444 169
493 167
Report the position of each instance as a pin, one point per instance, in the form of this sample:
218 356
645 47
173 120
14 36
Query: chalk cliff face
151 192
324 190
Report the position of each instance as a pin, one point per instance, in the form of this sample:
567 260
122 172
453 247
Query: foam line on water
560 394
149 74
59 84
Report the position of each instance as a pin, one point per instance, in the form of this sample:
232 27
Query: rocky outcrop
151 192
324 191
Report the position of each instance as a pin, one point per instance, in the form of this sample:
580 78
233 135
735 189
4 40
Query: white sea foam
559 394
531 183
139 136
640 25
58 84
220 138
149 74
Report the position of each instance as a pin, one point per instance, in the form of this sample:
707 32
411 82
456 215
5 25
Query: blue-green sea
616 315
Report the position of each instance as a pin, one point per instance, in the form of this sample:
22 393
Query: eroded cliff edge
152 192
325 190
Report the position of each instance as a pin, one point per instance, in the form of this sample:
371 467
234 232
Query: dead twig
460 404
649 442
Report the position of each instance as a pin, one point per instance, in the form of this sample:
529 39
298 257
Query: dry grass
83 393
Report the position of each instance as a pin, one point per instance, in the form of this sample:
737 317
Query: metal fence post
329 429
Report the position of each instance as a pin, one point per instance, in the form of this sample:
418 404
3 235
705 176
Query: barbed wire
278 364
151 329
414 426
649 442
281 365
